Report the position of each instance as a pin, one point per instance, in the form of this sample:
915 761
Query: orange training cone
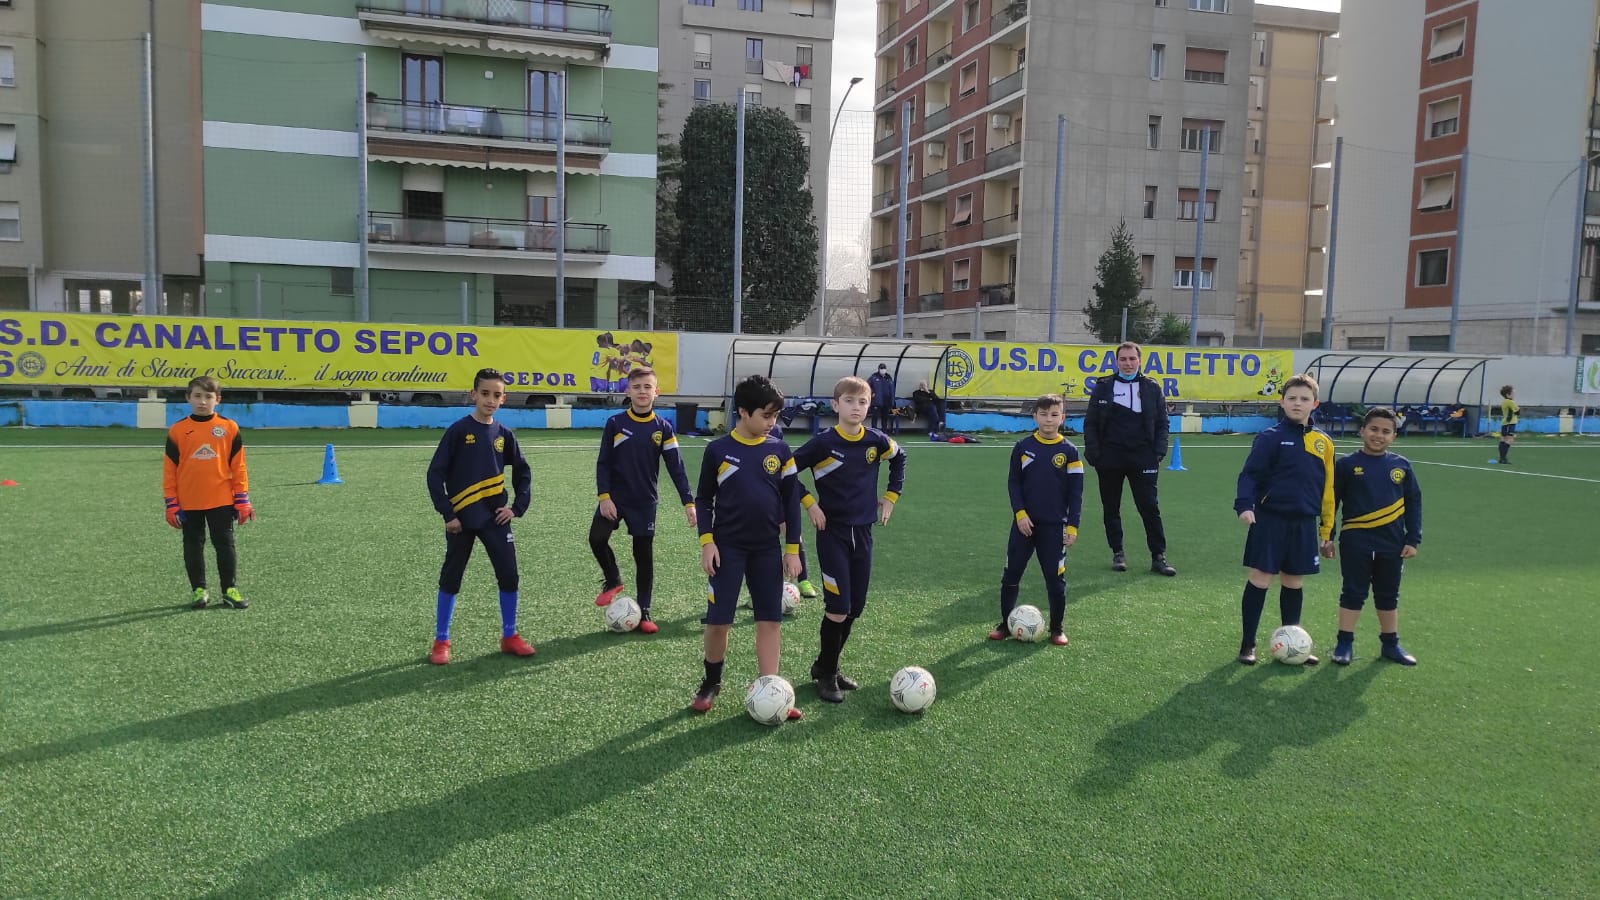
8 483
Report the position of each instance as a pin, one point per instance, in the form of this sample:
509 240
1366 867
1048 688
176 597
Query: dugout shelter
1425 389
806 370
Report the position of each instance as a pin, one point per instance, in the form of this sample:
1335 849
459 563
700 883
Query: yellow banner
1024 371
160 351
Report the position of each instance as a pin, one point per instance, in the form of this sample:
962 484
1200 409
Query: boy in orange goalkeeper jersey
207 488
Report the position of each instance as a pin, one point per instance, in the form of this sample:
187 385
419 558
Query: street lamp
1544 233
822 291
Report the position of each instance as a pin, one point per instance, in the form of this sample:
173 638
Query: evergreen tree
1117 288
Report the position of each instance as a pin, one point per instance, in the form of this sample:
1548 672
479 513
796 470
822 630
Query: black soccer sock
713 671
1250 606
1008 602
1504 449
1389 638
1058 612
844 631
832 643
644 565
805 567
1290 601
600 544
1347 637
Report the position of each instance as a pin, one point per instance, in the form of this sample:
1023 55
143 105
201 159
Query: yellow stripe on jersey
829 585
498 479
1075 467
1375 523
826 466
725 471
789 468
894 449
484 494
670 444
618 438
1387 511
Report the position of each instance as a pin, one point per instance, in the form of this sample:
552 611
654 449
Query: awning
1437 192
467 164
579 54
420 37
1448 40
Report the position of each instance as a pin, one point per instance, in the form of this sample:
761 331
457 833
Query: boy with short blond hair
207 487
1285 495
1046 487
844 463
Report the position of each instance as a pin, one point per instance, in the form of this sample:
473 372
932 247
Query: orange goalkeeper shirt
204 467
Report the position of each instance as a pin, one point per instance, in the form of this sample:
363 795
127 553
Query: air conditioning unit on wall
1000 121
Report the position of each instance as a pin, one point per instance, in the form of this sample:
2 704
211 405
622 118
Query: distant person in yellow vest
1510 415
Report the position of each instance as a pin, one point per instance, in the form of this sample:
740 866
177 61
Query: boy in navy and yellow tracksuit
207 487
1285 495
844 462
467 482
1381 529
1046 487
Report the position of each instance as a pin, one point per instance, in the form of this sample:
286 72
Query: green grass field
304 747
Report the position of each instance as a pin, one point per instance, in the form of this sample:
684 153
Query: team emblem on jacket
500 444
472 439
770 464
656 437
1320 446
1397 475
872 455
1059 460
218 431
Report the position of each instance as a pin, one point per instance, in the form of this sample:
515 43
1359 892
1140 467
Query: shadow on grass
372 685
384 847
109 620
1221 709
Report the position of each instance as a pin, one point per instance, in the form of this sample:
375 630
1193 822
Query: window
967 145
963 210
1216 6
752 95
1448 41
10 222
961 275
752 55
1258 47
1258 90
1433 267
702 50
1589 344
1438 193
1183 274
803 55
1438 343
910 56
1200 64
1158 61
702 91
702 2
341 281
1149 201
1189 204
8 67
969 16
1155 133
1161 4
1444 117
969 79
1364 343
802 104
1193 132
752 5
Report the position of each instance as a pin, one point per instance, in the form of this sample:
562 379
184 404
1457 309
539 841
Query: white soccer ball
623 615
912 689
769 700
1290 645
1025 623
791 598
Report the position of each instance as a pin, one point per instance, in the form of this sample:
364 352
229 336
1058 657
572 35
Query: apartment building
72 169
1141 85
469 105
1468 177
1288 152
778 53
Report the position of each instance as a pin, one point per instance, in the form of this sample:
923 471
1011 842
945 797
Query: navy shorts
844 554
1508 430
1283 545
1363 569
761 569
640 520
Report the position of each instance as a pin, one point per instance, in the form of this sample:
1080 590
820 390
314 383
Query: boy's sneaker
1060 640
828 689
1397 653
232 599
1311 661
999 634
200 599
606 595
795 714
1119 562
705 696
646 624
1343 652
807 589
1160 566
846 683
441 653
1247 654
516 646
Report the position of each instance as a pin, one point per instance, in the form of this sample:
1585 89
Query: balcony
997 295
885 144
1591 203
474 236
940 57
935 181
936 119
1006 86
1009 155
886 199
888 34
930 243
1010 13
883 254
888 89
1003 226
933 302
441 130
541 28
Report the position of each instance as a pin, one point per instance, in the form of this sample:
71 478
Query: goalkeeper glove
242 507
174 514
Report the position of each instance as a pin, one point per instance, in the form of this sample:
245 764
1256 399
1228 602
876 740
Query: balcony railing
879 309
1009 155
534 15
752 66
463 120
885 144
1001 226
935 181
883 254
936 119
887 89
928 243
1006 86
485 234
940 57
886 199
888 34
997 295
933 302
1015 11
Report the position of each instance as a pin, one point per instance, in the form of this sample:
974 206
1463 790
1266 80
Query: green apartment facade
465 102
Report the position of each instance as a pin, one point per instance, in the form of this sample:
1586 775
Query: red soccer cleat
705 696
516 646
647 626
795 714
605 597
1060 640
441 653
999 634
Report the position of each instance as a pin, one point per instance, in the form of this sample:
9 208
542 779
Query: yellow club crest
500 444
1397 475
872 455
771 464
1059 460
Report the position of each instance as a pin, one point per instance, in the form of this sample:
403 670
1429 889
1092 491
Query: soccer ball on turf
1290 645
1025 623
912 689
622 615
791 598
769 699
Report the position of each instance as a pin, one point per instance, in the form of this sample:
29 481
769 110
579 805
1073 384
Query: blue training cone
1175 466
330 469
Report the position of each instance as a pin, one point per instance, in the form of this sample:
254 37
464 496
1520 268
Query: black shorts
1283 544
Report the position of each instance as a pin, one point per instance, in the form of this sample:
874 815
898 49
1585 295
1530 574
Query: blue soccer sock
1250 606
441 619
508 613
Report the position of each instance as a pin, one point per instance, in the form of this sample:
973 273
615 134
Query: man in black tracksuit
1125 437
